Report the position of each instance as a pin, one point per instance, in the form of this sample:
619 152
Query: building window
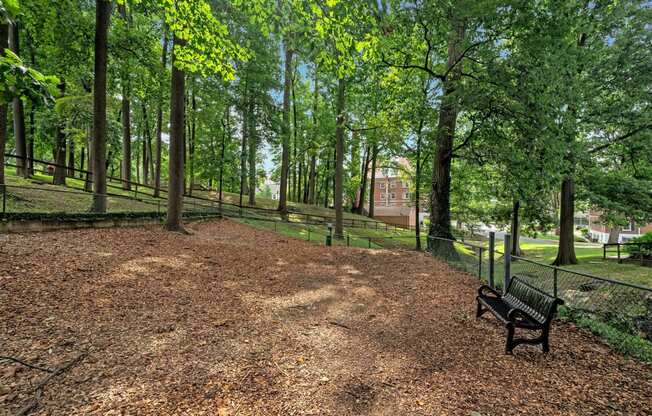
382 185
392 195
392 184
382 197
406 195
629 227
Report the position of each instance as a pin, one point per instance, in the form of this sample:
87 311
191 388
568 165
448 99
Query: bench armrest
485 288
515 312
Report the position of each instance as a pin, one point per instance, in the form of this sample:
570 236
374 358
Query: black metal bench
522 306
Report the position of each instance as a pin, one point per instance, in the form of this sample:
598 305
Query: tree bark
253 148
71 157
566 251
177 130
126 119
102 18
285 132
440 221
614 234
372 182
417 188
4 33
339 159
516 228
60 146
18 113
193 139
363 181
243 149
147 146
159 121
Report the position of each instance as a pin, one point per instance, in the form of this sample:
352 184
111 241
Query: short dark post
348 240
329 237
4 197
604 252
492 248
479 262
618 246
136 191
508 260
554 281
369 238
308 233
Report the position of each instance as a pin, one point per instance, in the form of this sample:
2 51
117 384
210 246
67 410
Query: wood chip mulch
236 321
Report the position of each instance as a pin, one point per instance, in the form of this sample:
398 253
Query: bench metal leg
510 339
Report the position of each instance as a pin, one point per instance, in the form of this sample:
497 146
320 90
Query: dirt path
232 320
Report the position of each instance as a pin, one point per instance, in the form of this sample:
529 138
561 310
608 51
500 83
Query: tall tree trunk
253 148
147 146
30 142
18 113
295 185
327 177
102 18
516 228
71 157
285 151
614 234
372 182
126 118
4 33
440 218
312 180
339 159
566 251
243 149
363 181
193 139
177 131
159 120
226 126
60 146
88 183
417 188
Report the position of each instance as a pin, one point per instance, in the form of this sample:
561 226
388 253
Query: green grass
590 261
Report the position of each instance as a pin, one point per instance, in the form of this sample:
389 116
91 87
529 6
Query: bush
622 342
642 250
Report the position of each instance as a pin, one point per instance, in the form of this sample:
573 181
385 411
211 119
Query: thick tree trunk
71 157
363 181
177 131
193 140
253 148
417 188
372 182
126 140
285 152
339 160
30 142
159 122
243 150
614 234
327 176
18 113
60 146
566 251
4 33
312 179
440 218
516 228
102 17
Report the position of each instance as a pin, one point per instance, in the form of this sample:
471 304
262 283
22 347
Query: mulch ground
237 321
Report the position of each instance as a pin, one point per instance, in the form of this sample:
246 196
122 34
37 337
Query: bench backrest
530 299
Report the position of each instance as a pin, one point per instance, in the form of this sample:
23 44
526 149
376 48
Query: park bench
522 306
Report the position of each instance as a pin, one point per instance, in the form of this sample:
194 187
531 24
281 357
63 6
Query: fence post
604 252
308 233
4 197
554 281
369 238
329 236
508 261
480 263
492 248
348 240
618 245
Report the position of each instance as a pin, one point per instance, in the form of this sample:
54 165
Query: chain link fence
624 306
